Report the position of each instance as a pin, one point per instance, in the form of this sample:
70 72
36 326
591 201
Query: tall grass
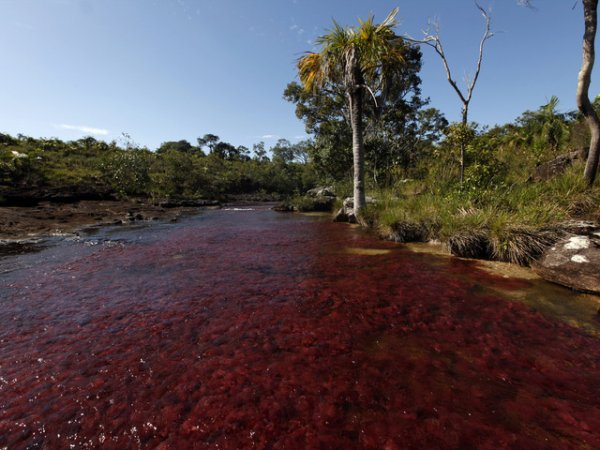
514 223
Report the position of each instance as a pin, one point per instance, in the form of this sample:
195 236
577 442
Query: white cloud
270 136
84 129
298 30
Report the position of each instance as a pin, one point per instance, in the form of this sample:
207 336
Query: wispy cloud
297 29
270 136
84 129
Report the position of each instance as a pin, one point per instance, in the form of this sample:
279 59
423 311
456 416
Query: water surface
252 329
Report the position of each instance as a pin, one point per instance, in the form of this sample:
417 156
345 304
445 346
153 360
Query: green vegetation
95 169
512 199
355 62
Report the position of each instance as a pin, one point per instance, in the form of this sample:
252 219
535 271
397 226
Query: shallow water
253 329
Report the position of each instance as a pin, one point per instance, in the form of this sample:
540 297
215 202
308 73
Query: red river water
252 329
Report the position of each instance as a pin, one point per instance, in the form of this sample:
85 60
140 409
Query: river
246 328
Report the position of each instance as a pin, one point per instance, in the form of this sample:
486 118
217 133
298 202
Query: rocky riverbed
50 218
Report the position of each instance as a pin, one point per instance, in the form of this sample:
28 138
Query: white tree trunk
590 8
356 101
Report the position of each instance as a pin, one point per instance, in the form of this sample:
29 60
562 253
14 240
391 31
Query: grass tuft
515 223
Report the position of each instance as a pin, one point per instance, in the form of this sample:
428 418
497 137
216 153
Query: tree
590 19
435 42
393 130
208 140
355 60
590 13
301 151
260 154
179 146
243 153
282 152
225 150
325 116
543 129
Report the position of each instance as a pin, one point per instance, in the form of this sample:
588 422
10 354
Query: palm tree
544 128
359 59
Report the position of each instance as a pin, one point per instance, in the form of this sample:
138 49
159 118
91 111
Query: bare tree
434 41
590 17
590 14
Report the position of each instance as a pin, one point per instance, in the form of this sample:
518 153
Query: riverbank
566 253
555 229
51 218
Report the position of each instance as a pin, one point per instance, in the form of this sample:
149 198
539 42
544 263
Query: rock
343 215
317 199
583 227
346 212
321 192
573 262
318 204
556 166
283 207
186 202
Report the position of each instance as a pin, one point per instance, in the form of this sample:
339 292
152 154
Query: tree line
210 169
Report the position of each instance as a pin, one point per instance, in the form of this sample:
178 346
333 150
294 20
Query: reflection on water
368 251
578 310
261 330
557 302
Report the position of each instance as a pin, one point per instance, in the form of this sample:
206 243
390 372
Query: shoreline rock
321 199
575 260
48 218
346 212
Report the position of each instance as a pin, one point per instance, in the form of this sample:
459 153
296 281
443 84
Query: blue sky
177 69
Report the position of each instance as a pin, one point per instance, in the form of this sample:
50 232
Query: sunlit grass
515 223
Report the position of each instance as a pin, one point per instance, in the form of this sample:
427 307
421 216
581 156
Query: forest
40 168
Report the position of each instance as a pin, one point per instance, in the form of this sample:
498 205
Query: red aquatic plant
261 331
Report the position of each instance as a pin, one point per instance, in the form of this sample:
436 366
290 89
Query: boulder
556 166
573 262
321 192
319 199
283 207
346 212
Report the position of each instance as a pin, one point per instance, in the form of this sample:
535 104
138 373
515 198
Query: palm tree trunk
355 83
356 104
590 8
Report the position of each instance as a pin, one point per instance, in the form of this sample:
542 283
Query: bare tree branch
434 41
487 35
